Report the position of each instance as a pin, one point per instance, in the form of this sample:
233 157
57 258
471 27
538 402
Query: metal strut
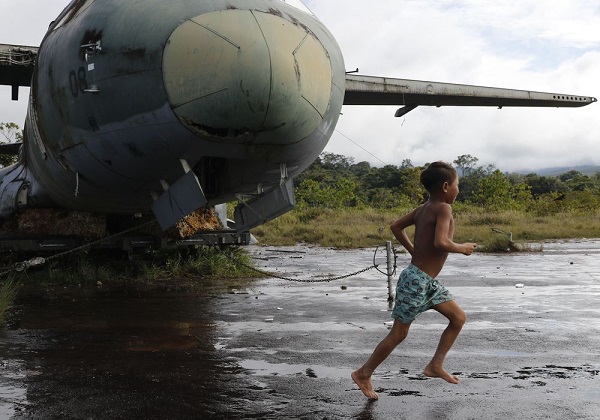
267 206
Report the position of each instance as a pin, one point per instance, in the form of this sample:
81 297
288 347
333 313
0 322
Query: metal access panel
180 199
272 204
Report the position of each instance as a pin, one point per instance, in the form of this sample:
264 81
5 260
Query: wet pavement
276 349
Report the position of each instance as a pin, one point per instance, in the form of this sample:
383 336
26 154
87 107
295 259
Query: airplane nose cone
234 73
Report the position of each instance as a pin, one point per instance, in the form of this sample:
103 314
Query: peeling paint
207 131
301 25
91 36
275 12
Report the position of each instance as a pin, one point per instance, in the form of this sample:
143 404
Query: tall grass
8 292
356 228
343 228
206 263
198 264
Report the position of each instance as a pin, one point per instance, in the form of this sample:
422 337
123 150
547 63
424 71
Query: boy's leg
362 376
457 318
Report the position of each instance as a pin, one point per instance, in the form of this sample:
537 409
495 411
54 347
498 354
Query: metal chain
271 274
24 265
99 241
277 276
324 280
395 261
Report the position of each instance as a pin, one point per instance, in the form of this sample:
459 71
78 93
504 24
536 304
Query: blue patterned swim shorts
416 293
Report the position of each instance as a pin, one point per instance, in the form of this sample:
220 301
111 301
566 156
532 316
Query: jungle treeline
344 204
334 181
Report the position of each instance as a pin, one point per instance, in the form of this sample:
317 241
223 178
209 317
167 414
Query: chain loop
324 280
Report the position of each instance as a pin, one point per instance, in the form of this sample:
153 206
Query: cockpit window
299 5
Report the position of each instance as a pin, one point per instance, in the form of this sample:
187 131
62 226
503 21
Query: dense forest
335 181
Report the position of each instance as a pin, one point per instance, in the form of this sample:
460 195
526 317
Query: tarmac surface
276 349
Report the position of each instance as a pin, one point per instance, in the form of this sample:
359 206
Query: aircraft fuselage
124 92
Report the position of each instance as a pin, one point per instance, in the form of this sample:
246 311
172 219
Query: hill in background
588 170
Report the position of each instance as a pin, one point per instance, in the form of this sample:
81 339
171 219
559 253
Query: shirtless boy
417 290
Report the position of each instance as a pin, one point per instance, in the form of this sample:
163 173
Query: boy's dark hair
436 174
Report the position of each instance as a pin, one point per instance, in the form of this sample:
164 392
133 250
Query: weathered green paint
247 72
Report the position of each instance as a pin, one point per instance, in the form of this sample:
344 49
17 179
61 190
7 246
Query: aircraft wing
11 149
371 90
16 66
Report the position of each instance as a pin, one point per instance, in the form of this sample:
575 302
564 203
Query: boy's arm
397 227
442 239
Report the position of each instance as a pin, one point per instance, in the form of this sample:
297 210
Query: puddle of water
13 393
12 399
156 350
593 394
249 353
264 368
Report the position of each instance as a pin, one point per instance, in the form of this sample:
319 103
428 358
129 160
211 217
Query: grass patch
155 268
359 228
340 228
204 263
8 292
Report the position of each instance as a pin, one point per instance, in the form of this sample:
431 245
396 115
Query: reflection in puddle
11 399
13 394
264 368
174 342
146 357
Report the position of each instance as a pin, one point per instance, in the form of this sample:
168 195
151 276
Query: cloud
551 46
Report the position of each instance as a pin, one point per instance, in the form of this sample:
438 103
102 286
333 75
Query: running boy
417 290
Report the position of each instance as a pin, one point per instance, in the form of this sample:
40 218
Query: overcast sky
548 46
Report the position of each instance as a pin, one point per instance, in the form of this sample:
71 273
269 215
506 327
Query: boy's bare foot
365 385
433 372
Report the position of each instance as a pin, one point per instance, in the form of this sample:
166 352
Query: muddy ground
277 349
